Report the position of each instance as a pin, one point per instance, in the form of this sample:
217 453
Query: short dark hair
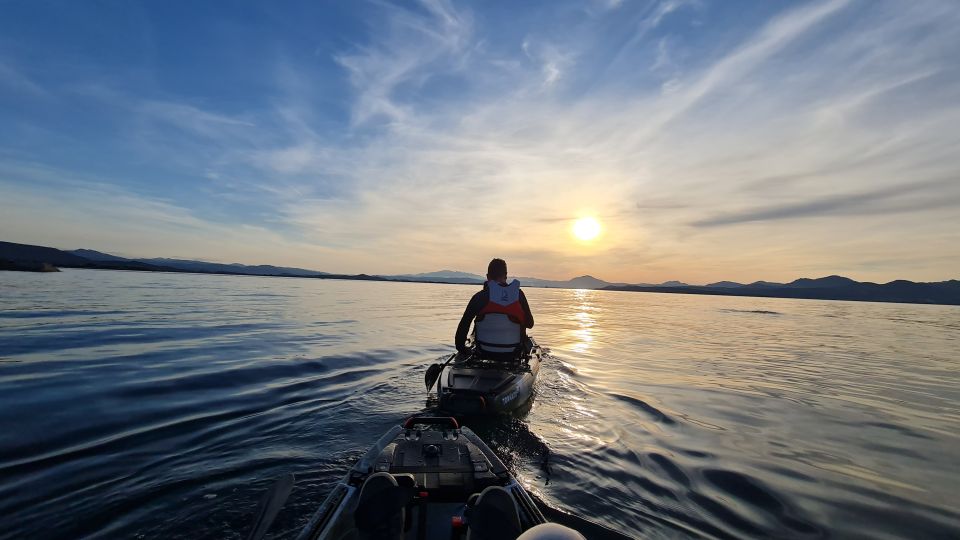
497 267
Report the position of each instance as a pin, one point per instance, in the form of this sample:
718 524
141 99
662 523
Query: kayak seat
494 516
381 513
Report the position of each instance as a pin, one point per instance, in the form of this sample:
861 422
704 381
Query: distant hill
39 254
24 253
759 284
189 265
588 282
96 255
28 254
442 276
828 282
951 284
581 282
725 284
455 274
233 268
828 288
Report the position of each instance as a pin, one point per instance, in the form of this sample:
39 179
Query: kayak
475 385
429 478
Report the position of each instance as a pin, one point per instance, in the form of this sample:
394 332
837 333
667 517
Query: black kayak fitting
475 385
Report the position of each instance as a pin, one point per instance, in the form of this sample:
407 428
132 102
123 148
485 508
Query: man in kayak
501 316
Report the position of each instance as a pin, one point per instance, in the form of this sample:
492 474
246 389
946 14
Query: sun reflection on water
585 332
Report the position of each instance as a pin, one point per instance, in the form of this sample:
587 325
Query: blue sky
712 139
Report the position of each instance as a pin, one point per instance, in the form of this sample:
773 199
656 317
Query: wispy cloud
17 81
411 44
922 196
192 119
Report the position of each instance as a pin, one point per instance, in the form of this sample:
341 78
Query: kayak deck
436 472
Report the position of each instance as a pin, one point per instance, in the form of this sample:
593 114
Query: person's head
497 270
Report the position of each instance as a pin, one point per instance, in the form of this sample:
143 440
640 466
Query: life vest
500 323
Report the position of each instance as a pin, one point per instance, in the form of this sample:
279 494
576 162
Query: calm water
141 405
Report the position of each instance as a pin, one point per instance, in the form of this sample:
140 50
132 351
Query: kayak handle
445 420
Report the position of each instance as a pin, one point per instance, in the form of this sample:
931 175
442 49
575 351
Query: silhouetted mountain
951 284
821 283
233 268
672 284
443 276
457 277
447 274
581 282
725 284
97 255
829 288
588 282
26 253
762 284
189 265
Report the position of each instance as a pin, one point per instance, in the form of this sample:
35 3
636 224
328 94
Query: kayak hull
476 386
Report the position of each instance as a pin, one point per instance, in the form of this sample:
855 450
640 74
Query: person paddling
501 316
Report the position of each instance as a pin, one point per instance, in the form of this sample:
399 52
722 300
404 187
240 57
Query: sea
160 405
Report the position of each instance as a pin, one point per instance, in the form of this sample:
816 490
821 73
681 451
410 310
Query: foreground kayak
477 386
429 471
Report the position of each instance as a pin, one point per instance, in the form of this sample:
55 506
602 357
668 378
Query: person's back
500 314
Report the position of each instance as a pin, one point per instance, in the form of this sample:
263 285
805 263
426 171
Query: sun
586 228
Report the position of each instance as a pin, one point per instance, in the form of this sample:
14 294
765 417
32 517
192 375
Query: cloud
552 62
776 35
411 43
651 16
17 81
192 119
660 11
933 195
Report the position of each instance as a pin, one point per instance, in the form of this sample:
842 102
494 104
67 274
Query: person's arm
526 309
473 308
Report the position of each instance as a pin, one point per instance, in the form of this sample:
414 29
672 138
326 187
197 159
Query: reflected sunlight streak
584 335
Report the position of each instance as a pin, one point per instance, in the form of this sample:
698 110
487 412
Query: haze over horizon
711 140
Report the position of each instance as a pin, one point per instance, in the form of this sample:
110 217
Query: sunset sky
710 139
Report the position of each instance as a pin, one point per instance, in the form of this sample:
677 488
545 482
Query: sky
712 139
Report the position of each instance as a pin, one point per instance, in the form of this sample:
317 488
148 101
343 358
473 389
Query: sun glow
586 228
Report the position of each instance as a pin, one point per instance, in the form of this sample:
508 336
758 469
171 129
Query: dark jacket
479 300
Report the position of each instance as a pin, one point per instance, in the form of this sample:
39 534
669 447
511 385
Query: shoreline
841 295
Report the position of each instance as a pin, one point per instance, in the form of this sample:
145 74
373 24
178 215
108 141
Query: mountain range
825 288
29 257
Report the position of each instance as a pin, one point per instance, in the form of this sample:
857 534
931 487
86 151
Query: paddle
433 372
270 505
